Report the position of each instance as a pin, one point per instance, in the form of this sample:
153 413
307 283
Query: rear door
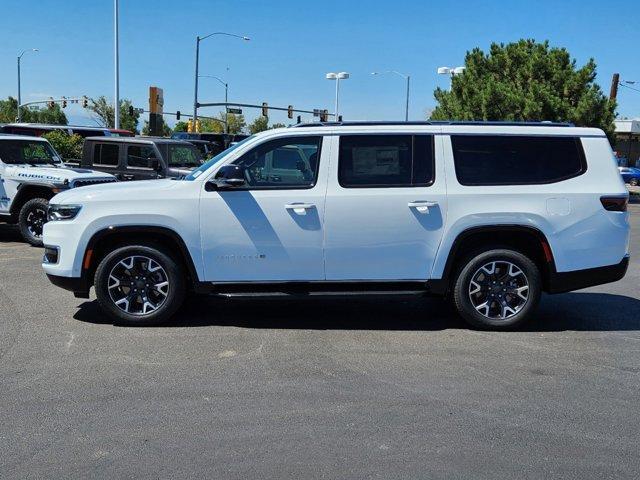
102 156
385 207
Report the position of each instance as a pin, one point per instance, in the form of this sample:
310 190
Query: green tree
104 113
526 81
278 125
68 146
9 113
180 126
237 123
260 124
166 129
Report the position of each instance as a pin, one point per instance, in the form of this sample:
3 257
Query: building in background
627 146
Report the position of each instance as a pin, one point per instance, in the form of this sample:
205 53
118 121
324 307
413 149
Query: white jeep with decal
31 172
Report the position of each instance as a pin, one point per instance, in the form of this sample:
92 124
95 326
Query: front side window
27 151
141 156
106 154
184 156
369 161
516 159
283 163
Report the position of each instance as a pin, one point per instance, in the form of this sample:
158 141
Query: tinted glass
140 156
106 154
385 160
27 151
516 160
286 163
184 156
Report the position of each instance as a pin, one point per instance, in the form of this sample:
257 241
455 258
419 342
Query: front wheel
139 285
31 220
497 289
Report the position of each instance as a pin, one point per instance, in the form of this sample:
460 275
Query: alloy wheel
36 219
499 290
138 285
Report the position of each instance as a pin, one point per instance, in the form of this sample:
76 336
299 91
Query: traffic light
290 111
324 115
131 112
51 103
190 126
198 125
64 102
265 109
85 101
178 115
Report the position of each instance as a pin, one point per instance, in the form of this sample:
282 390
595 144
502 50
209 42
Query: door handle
422 206
126 176
299 208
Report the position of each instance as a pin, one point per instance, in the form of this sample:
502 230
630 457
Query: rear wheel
139 285
31 220
497 289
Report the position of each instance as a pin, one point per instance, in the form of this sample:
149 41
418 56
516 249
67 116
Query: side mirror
230 176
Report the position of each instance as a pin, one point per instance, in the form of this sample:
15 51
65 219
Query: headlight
62 212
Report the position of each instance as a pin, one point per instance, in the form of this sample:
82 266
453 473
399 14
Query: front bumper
560 282
77 285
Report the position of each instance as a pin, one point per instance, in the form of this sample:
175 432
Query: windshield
207 165
184 156
30 152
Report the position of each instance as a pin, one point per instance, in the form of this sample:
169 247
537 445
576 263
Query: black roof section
138 139
434 122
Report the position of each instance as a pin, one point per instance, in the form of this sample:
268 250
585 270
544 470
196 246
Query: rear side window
516 160
106 154
385 161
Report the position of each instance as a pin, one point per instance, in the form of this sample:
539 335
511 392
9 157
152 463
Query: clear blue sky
294 43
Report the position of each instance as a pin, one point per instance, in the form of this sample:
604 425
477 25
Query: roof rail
434 122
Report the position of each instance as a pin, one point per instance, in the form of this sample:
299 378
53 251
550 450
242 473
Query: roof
631 126
141 139
432 122
49 125
10 136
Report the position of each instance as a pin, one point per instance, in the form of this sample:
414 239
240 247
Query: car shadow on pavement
572 311
10 233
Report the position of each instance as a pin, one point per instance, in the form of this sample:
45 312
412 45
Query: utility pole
116 108
615 81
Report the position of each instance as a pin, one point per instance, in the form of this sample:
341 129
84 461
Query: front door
140 162
385 207
271 228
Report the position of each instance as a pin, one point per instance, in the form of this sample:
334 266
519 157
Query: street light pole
226 99
337 77
116 107
19 92
407 77
452 72
195 90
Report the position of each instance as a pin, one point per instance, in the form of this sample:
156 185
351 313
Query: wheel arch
526 239
105 240
29 191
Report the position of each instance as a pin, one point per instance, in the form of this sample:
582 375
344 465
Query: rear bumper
77 285
560 282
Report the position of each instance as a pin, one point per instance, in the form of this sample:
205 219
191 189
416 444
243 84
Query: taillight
615 204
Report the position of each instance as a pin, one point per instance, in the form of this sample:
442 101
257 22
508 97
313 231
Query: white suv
490 215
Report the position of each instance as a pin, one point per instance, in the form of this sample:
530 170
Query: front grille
88 182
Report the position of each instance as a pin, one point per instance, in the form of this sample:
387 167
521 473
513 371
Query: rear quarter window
516 159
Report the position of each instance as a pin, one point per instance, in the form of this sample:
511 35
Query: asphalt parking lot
366 387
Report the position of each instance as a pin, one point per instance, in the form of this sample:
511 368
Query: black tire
497 291
31 219
164 309
633 182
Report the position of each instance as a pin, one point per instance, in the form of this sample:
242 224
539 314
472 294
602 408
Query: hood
121 191
51 174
